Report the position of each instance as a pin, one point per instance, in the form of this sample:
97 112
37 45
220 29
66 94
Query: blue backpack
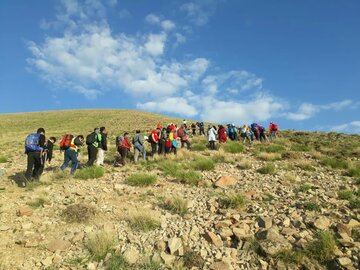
32 143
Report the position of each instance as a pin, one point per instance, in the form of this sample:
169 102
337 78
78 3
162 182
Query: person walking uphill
212 137
34 146
71 153
124 147
154 141
182 134
92 141
139 147
102 147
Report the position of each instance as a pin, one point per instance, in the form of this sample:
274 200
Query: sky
296 63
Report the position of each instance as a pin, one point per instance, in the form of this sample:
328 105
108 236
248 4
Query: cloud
155 44
167 25
199 11
124 14
352 127
152 19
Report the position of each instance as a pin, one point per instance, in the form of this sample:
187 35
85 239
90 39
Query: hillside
290 204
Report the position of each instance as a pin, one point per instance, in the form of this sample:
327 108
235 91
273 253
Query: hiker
158 126
171 142
184 123
92 141
34 146
201 128
102 147
72 152
49 146
232 132
262 135
273 128
255 130
154 141
162 139
211 137
246 133
182 134
193 127
139 147
123 147
222 134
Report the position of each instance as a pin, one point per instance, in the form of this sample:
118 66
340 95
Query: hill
290 204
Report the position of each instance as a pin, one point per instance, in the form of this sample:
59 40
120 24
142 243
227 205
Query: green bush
188 177
345 194
354 172
89 173
198 147
267 169
3 159
39 202
203 164
290 257
78 213
305 188
322 248
116 262
233 201
99 245
233 147
300 148
169 167
335 163
273 148
141 179
311 206
176 205
143 222
354 203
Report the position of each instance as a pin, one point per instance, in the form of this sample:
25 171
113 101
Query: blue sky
293 62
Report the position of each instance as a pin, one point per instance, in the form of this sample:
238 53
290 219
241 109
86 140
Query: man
193 127
34 146
71 154
182 134
92 141
139 147
154 140
47 153
124 148
102 147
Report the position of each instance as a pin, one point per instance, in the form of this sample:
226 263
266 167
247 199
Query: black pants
35 166
92 152
124 152
212 145
194 131
187 144
161 149
202 131
153 148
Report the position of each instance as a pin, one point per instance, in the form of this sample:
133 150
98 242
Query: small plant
198 147
3 159
290 155
267 169
335 163
290 177
90 173
141 179
176 205
233 201
354 203
290 257
354 172
151 265
233 147
311 206
305 188
99 245
60 176
305 165
355 234
188 177
143 222
345 195
268 197
116 262
39 202
203 164
269 156
273 148
78 213
244 165
300 148
169 167
193 259
322 248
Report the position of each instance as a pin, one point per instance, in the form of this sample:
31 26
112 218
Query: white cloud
180 38
199 11
167 25
112 3
152 19
155 44
352 127
124 14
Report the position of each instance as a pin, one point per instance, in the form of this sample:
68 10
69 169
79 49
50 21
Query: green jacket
96 143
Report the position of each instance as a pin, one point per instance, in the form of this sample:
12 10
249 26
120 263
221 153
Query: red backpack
168 143
180 132
65 142
275 127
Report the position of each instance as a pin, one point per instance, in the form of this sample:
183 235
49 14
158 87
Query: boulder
322 223
24 211
344 261
175 246
225 181
167 258
131 255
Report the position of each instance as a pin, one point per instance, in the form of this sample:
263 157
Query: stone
58 244
225 181
4 228
225 233
160 245
91 266
131 255
47 262
241 233
264 222
353 223
223 224
220 266
167 258
344 261
322 223
175 246
24 211
343 229
213 239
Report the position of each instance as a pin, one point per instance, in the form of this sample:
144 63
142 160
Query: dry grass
269 156
78 213
100 244
142 221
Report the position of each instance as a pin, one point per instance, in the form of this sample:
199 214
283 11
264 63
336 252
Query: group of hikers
163 141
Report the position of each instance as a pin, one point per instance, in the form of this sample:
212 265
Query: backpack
32 143
168 143
149 139
91 138
275 127
180 132
253 126
119 141
65 142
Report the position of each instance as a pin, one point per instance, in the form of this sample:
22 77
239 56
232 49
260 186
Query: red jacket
154 136
222 135
126 143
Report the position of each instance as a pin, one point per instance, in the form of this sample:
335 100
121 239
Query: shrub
290 155
90 173
169 167
223 158
3 159
335 163
152 265
198 147
354 172
233 147
273 148
188 177
305 188
141 179
116 262
39 202
305 165
322 248
290 257
78 213
311 206
244 165
355 234
143 222
99 245
267 169
300 148
345 194
203 164
59 176
269 156
354 203
176 205
233 201
268 197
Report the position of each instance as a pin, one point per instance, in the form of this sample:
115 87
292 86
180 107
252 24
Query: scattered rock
225 181
265 222
344 261
175 246
58 244
47 262
213 239
24 211
322 223
131 255
167 258
220 266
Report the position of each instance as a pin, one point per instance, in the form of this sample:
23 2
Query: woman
124 147
211 137
222 134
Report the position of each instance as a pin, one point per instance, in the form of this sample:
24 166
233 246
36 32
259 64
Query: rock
58 244
220 266
160 245
271 241
242 231
225 233
47 262
264 222
223 224
225 181
131 255
322 223
167 258
4 228
24 211
344 261
175 246
91 266
213 239
353 223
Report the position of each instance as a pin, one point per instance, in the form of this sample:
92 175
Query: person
49 146
232 132
211 137
184 123
154 141
273 129
92 141
222 134
102 147
201 128
34 146
162 139
158 126
245 133
139 147
182 134
262 135
255 130
193 127
124 147
72 153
